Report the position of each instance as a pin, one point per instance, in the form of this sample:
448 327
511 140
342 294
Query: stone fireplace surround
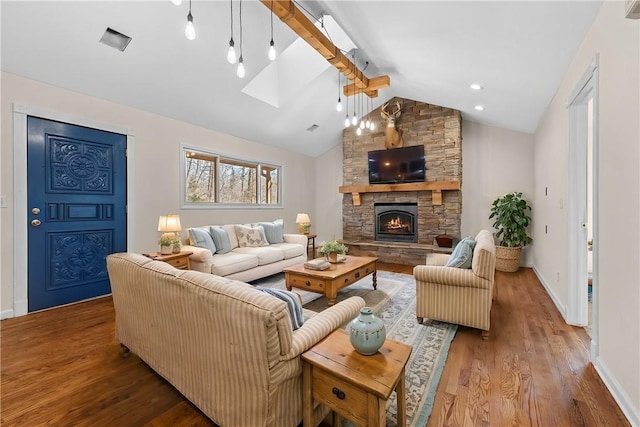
439 130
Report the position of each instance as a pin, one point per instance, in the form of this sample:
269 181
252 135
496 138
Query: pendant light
240 72
190 31
361 107
339 105
231 53
272 49
176 2
354 119
368 123
347 122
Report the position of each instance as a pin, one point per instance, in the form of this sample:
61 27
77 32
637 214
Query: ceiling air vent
115 39
313 127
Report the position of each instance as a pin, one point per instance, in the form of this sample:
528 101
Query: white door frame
585 90
20 208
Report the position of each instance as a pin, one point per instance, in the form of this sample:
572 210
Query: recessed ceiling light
479 107
476 86
115 39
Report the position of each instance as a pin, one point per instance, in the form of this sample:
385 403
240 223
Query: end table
180 260
354 386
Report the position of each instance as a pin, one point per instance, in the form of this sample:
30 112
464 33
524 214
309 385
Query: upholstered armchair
458 295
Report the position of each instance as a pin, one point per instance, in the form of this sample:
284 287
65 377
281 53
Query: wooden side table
180 260
311 242
354 386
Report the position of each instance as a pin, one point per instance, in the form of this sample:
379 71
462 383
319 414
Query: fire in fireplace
396 222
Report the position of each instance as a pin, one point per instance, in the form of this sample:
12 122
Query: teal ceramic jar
367 332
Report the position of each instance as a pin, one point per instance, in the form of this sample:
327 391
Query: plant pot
508 259
333 257
166 250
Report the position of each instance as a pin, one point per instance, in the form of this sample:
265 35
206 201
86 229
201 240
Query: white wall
495 161
617 40
156 168
328 214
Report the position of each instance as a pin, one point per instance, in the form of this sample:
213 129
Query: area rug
395 303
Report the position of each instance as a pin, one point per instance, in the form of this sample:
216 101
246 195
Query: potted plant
331 249
166 243
511 219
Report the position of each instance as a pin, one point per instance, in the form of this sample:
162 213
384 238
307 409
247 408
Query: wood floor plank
63 367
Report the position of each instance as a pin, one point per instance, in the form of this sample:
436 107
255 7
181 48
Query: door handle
36 222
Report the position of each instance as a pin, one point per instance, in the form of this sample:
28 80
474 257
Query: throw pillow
274 231
220 239
293 304
251 237
462 254
202 239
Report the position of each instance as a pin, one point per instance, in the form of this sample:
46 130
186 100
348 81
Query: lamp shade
302 218
169 223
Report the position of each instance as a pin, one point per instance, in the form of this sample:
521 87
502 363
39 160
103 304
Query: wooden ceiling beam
289 13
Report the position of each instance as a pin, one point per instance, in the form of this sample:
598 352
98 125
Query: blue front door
77 210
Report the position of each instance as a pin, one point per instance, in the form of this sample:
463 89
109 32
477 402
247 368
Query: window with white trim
213 179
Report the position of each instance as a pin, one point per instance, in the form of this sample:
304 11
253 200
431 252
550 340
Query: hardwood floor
63 367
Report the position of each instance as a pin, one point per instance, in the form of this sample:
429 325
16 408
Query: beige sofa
226 346
458 295
248 264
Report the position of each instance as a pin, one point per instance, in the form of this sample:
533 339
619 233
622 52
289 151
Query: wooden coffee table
354 386
329 282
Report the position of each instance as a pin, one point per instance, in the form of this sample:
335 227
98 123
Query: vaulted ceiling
432 51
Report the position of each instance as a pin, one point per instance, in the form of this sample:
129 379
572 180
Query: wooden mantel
436 188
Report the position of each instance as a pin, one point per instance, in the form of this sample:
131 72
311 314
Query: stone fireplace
439 130
396 222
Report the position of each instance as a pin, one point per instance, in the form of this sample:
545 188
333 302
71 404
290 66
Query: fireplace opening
396 222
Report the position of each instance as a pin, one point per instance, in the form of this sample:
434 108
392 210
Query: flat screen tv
397 165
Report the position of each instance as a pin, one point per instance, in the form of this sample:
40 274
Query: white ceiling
432 50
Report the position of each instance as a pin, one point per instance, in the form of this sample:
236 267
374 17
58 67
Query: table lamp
304 223
171 224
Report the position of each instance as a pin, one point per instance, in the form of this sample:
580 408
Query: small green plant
511 213
167 239
333 246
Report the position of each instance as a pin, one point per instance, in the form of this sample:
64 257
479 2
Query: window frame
185 204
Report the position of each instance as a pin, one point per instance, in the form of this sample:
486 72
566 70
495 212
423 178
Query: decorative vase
177 247
333 257
166 250
367 332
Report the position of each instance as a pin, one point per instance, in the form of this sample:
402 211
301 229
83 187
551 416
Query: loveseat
218 250
225 345
458 295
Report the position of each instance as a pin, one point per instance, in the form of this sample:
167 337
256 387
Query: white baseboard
561 307
622 399
6 314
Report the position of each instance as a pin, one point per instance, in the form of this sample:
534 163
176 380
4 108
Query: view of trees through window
210 178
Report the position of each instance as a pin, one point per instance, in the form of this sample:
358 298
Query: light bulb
354 120
240 70
272 51
231 54
361 124
359 132
176 2
368 124
347 122
373 126
190 30
339 106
